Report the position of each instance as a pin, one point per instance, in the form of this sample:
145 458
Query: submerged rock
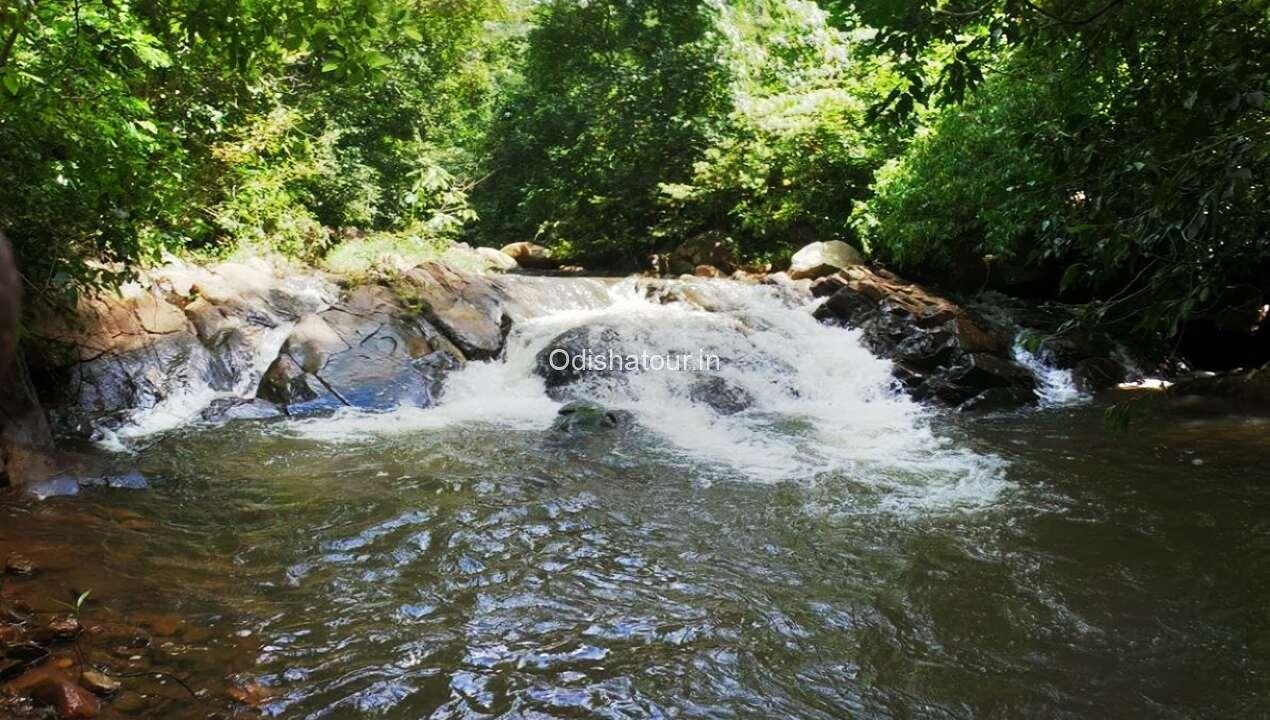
823 258
99 683
588 417
942 351
49 685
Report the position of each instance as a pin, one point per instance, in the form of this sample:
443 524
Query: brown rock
529 255
50 686
707 271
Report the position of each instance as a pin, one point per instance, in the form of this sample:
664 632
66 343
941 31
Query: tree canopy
1112 151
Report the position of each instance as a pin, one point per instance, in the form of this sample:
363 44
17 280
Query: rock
708 271
49 685
1098 373
497 259
57 630
467 309
1247 391
575 354
363 353
231 409
18 565
827 285
578 417
177 330
725 397
99 683
531 256
942 351
823 258
709 248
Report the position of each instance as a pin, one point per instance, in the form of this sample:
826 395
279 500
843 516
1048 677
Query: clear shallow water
443 565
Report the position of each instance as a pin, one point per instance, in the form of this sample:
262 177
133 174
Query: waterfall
819 403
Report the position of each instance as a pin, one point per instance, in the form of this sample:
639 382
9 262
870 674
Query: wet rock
942 351
710 248
176 331
1242 390
57 630
49 685
19 565
998 398
360 353
1097 373
55 486
467 309
819 259
233 409
575 354
725 397
99 683
582 417
828 285
531 256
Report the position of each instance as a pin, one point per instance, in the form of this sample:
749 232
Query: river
833 551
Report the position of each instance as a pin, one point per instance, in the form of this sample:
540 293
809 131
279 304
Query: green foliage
795 153
1119 146
130 128
615 98
1131 151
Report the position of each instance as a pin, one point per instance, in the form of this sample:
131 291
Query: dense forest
1110 155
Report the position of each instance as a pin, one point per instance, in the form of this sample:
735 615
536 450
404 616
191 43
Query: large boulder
365 352
942 352
823 258
531 256
1247 391
469 310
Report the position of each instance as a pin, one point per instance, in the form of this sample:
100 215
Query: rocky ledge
942 351
256 340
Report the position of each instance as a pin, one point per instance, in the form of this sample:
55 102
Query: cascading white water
1055 387
821 403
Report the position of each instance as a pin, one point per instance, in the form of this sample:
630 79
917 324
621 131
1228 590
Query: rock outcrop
942 351
253 340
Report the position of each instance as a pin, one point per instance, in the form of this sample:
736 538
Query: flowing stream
834 550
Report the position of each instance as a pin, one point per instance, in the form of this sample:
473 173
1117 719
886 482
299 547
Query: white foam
1055 387
822 406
